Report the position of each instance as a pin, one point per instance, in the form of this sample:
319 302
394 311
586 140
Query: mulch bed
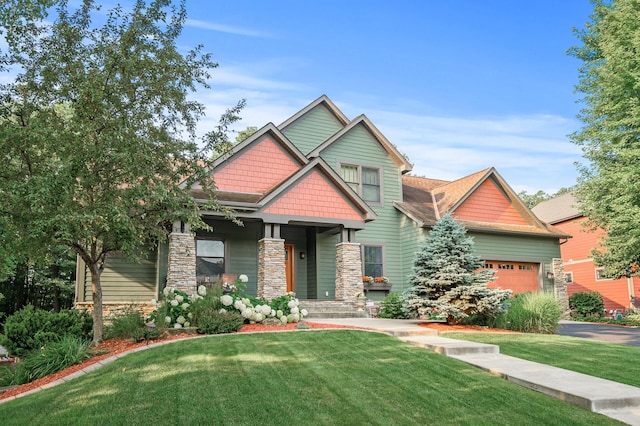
112 347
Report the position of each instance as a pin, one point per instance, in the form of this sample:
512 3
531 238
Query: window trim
360 183
599 277
225 256
568 277
384 257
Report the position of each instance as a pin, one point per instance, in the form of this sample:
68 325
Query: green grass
312 378
611 361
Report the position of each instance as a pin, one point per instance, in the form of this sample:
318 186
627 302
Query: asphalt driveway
603 332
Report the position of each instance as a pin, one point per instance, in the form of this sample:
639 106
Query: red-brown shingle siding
577 260
258 169
488 204
579 246
314 197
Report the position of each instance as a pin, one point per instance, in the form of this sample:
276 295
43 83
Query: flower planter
378 287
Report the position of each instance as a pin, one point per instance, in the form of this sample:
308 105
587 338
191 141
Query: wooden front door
288 266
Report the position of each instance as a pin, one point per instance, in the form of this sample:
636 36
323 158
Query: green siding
326 263
359 147
125 281
413 238
313 128
516 248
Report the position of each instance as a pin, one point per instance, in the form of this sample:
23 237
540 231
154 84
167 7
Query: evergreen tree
448 278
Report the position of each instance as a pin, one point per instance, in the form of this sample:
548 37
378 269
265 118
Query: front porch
316 261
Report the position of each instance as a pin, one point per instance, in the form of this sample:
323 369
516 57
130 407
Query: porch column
272 279
348 271
560 286
181 272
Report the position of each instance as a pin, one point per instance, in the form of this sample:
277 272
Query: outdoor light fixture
550 275
302 255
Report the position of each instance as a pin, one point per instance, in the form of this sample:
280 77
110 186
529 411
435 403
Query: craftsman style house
581 274
324 201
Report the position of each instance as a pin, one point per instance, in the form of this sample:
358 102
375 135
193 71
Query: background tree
610 135
244 134
97 132
448 278
532 200
46 282
224 145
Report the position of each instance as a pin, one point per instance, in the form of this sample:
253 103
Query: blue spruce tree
448 279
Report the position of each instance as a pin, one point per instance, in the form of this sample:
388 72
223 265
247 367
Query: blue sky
456 85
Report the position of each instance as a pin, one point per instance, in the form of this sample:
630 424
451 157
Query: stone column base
272 279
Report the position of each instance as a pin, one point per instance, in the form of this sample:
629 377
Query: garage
517 276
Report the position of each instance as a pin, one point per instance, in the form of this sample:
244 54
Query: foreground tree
448 279
610 136
97 132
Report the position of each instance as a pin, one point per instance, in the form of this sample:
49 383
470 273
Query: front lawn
611 361
305 377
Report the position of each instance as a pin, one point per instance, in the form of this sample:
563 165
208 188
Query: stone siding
348 272
272 279
113 309
560 287
181 272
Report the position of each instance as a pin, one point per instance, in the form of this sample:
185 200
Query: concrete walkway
612 399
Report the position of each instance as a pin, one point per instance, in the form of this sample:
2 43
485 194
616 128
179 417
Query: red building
581 273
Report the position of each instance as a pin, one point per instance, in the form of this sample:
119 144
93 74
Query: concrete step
593 393
450 347
351 314
331 309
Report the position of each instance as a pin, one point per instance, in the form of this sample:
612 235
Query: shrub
131 325
585 304
391 307
531 313
218 322
53 357
30 329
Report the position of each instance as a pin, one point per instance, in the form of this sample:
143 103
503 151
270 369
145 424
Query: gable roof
270 129
558 209
260 175
362 120
426 200
324 202
322 100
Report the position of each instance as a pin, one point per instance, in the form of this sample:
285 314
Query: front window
373 266
364 180
209 260
600 275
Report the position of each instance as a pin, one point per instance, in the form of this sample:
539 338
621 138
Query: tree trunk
96 289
